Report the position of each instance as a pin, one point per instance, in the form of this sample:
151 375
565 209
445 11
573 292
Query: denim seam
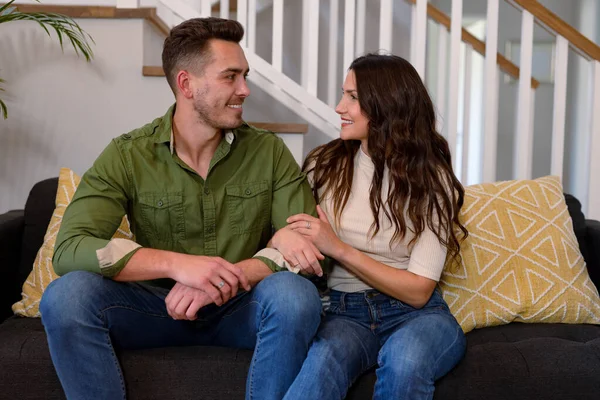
133 309
256 347
437 361
230 313
114 357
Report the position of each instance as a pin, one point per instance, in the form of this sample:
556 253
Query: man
202 191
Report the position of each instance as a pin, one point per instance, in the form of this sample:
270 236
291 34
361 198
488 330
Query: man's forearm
255 270
148 264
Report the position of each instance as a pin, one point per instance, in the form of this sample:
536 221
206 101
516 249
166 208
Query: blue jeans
410 347
87 318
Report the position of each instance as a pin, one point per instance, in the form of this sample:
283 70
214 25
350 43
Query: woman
388 217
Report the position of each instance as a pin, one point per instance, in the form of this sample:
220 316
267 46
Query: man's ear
184 84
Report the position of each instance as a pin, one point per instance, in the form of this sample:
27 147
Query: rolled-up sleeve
92 218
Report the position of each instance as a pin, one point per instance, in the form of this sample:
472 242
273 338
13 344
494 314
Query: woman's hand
319 231
298 251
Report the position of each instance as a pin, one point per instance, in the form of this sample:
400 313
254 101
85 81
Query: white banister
455 61
302 96
205 8
418 42
440 95
560 105
242 17
224 13
523 133
310 45
361 11
165 14
466 115
349 18
333 85
490 90
385 25
277 55
251 29
593 203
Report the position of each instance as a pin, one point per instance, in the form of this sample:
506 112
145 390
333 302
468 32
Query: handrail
505 65
550 21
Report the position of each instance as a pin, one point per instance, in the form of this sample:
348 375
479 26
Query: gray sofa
514 362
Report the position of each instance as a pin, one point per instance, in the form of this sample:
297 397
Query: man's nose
243 89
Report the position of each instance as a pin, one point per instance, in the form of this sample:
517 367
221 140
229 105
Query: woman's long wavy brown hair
402 137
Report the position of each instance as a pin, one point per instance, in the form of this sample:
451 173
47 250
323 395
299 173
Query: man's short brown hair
186 47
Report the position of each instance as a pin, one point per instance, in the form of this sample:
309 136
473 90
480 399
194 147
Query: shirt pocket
162 216
248 206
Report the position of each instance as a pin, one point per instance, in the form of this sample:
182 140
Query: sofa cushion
516 361
521 260
527 361
43 272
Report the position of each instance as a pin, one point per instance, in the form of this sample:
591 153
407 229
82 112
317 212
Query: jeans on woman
88 317
411 348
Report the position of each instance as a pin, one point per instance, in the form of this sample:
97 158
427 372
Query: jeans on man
87 318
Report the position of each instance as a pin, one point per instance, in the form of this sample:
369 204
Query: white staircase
466 76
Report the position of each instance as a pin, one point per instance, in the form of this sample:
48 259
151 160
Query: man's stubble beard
205 113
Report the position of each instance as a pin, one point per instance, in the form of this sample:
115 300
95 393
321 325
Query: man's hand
183 302
216 277
298 251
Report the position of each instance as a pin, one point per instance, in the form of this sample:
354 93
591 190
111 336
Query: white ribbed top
426 257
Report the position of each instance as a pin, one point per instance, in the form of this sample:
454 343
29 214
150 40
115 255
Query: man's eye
230 77
353 97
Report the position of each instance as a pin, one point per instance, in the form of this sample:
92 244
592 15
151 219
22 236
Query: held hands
214 276
319 231
298 251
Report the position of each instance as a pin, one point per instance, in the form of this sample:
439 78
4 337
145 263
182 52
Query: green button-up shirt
253 184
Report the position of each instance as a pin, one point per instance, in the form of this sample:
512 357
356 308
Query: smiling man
202 191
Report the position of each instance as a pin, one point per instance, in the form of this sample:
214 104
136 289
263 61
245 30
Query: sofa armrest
12 224
593 250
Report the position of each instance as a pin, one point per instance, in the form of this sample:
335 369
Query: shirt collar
165 131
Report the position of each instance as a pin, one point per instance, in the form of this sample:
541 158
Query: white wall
63 111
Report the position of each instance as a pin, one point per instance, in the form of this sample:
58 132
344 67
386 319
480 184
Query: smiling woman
63 26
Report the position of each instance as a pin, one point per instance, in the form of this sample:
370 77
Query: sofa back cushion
579 226
38 211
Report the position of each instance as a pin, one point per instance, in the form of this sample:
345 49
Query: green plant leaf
64 26
3 109
5 7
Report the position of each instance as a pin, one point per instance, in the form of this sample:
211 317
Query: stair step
278 127
148 70
89 11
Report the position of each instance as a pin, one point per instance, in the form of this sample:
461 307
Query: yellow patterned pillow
521 261
43 273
